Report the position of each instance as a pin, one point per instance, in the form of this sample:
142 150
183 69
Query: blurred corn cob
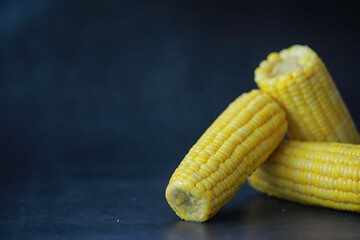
240 139
314 173
297 78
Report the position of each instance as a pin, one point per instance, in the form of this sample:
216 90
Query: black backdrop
123 89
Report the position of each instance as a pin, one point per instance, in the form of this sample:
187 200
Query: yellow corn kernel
298 79
239 140
315 173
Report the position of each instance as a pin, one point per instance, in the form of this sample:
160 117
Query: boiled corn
314 173
239 140
299 80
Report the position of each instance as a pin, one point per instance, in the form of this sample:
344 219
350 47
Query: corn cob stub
239 140
314 173
298 79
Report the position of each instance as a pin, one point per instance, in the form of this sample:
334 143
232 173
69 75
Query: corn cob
298 79
314 173
239 140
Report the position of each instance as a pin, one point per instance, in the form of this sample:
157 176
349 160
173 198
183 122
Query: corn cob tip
187 203
285 63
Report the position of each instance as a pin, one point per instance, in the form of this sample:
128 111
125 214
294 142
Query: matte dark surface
108 208
100 101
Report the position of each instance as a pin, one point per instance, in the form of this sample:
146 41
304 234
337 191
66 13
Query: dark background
100 100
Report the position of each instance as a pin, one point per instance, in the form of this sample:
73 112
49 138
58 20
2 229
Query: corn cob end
189 204
286 66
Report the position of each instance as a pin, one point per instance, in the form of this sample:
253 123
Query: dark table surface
98 207
100 101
